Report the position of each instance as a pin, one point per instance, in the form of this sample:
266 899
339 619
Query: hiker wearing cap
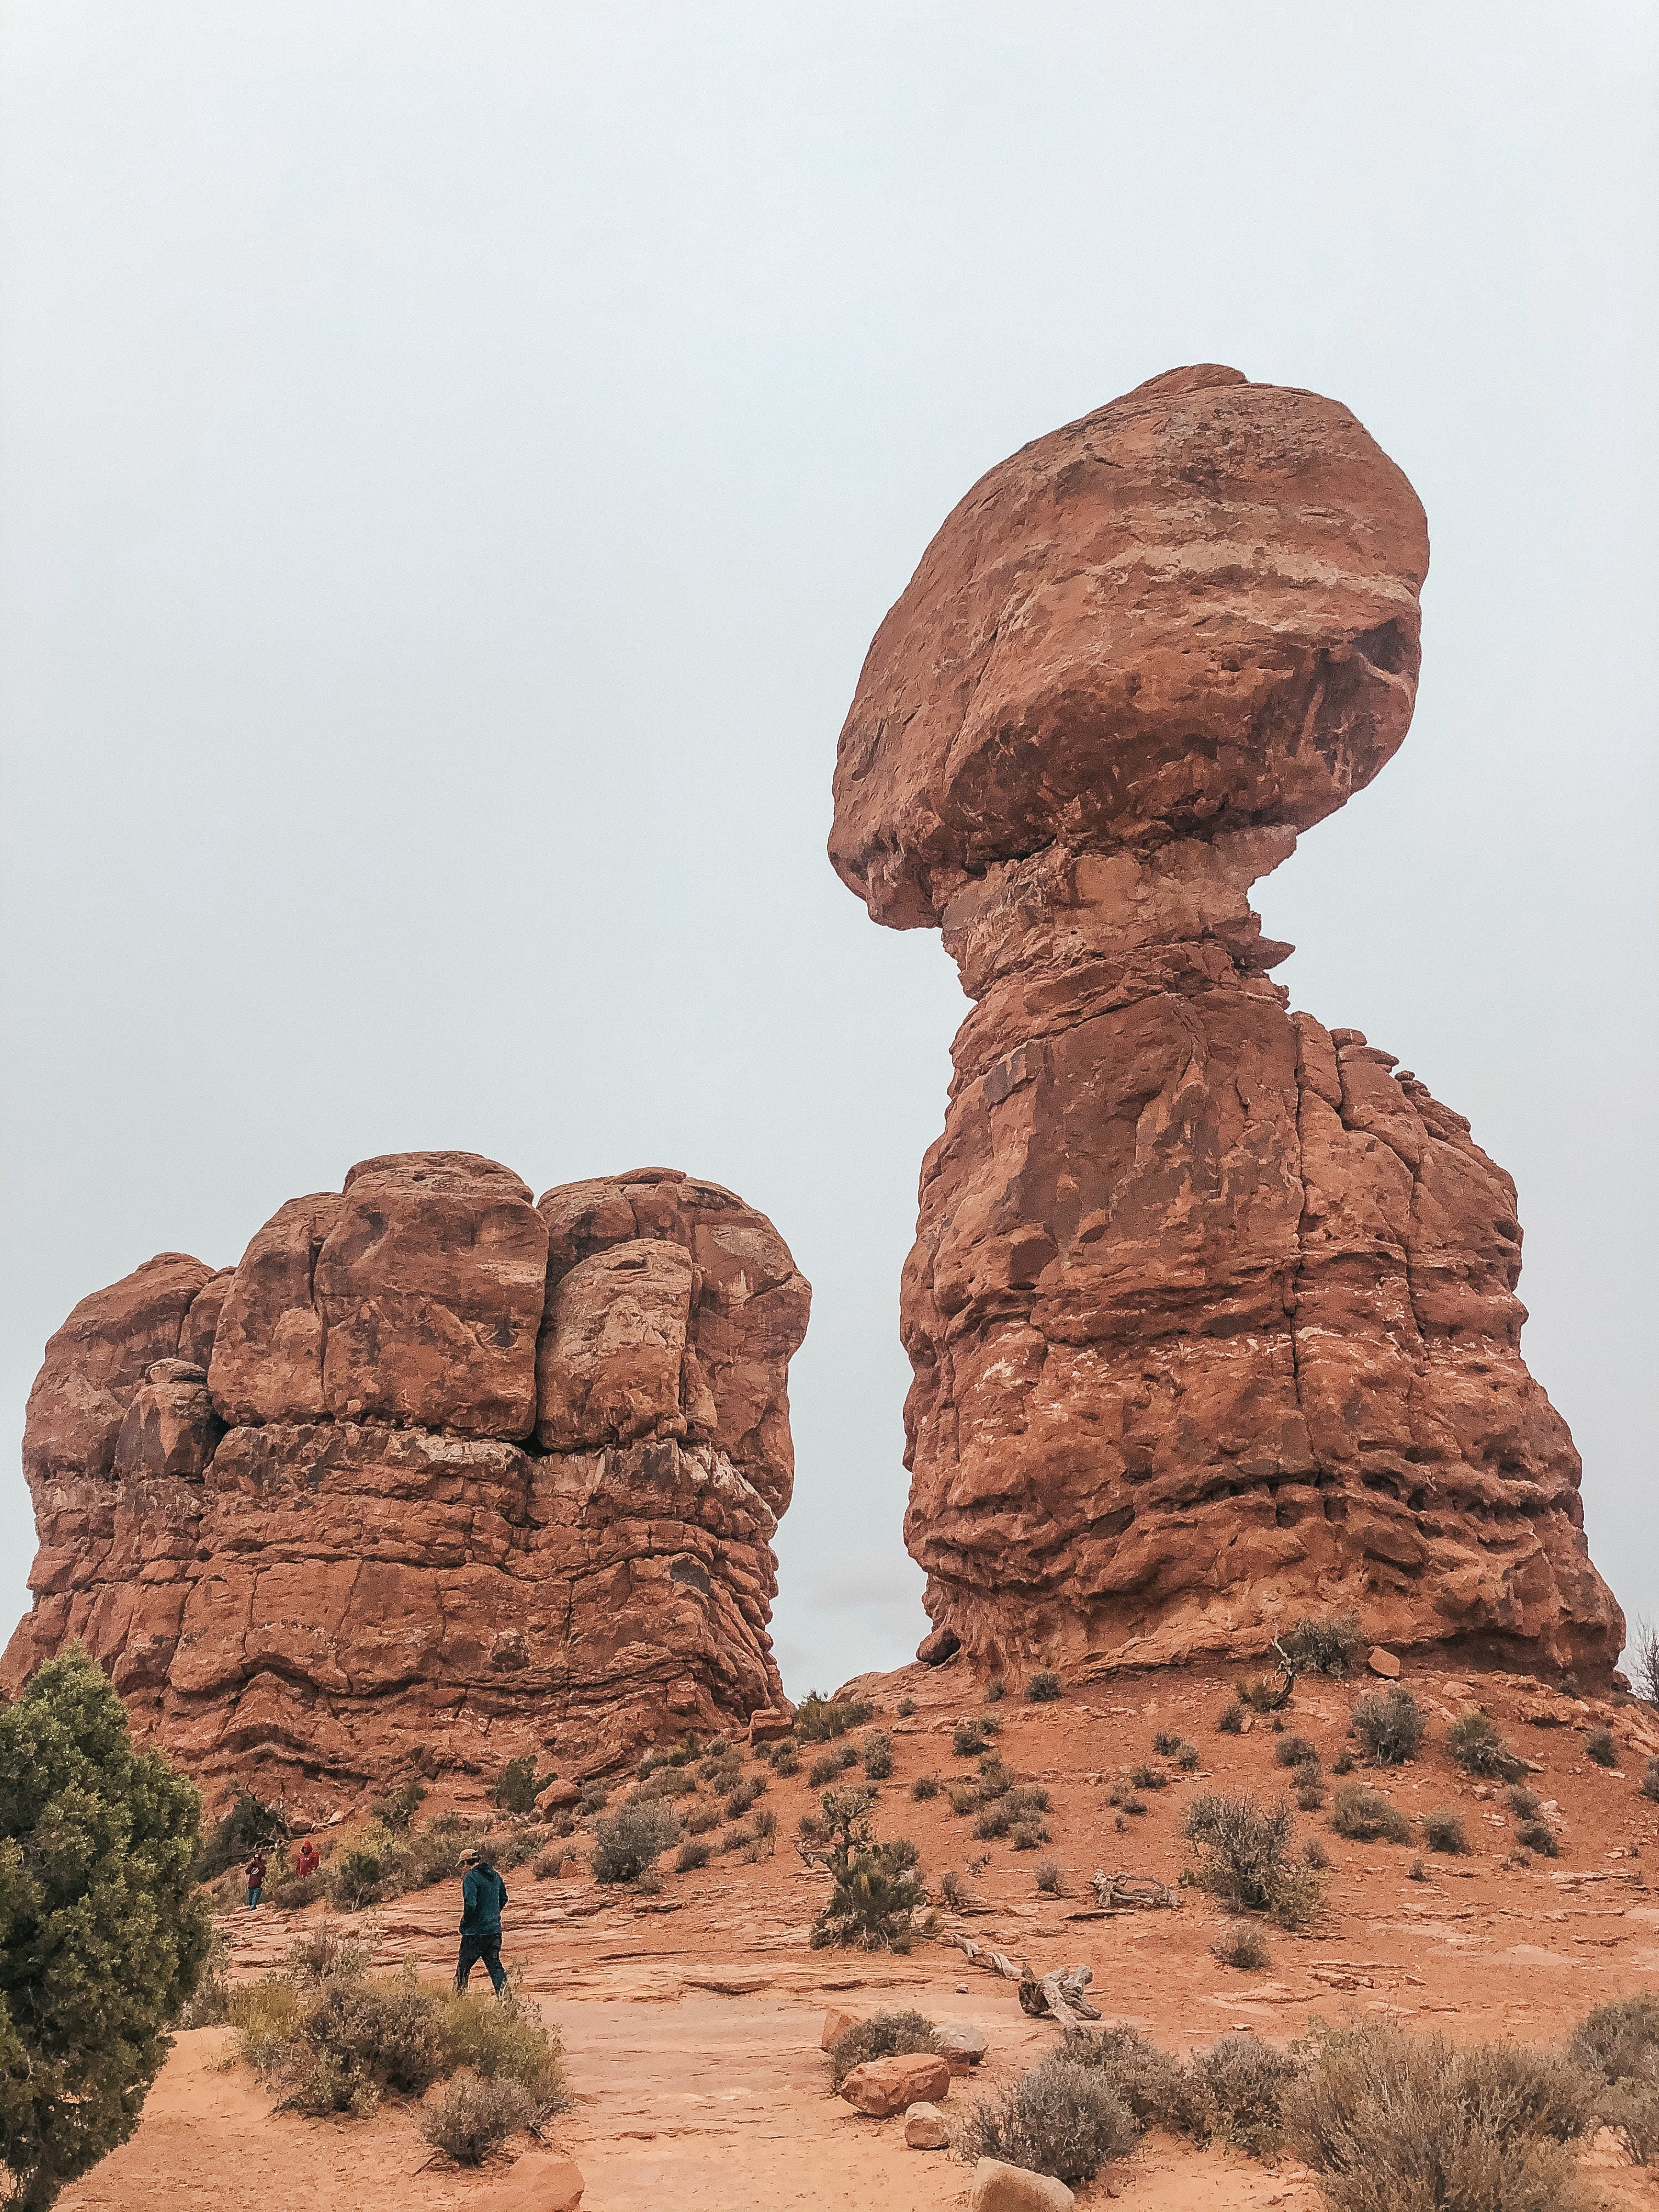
483 1895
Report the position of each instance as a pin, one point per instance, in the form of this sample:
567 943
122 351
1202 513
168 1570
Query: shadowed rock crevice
450 1477
1212 1313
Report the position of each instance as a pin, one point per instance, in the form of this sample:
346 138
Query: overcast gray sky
452 459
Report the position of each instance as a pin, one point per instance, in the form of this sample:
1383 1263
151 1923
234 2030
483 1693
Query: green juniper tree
103 1935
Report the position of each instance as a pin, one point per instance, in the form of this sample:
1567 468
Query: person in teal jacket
483 1895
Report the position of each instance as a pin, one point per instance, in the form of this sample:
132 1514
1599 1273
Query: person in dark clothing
483 1895
255 1871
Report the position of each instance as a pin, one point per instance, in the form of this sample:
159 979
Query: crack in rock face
436 1477
1211 1310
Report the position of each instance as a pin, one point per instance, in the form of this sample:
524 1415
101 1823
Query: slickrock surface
1211 1310
436 1477
692 2019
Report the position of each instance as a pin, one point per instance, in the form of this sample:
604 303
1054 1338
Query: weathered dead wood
1058 1996
1133 1892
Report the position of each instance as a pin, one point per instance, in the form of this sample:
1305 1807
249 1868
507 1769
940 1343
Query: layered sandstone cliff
435 1477
1211 1310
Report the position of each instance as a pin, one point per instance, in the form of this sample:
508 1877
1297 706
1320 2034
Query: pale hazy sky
452 458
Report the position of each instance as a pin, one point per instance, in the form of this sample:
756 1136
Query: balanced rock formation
436 1477
1211 1310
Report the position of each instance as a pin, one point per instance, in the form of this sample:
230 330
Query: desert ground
691 2020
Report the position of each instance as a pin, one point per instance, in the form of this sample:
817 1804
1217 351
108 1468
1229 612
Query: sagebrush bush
1650 1780
996 1690
473 2118
968 1739
1618 2045
1600 1746
877 1756
1417 1871
633 1838
994 1821
1043 1687
1185 1757
549 1863
1364 1815
883 2035
1294 1751
1392 2122
1241 1856
906 1707
1236 2093
1048 1877
701 1818
691 1856
1243 1947
748 1793
1477 1747
1330 1645
1443 1831
1132 1804
817 1719
1390 1724
1147 2082
1031 1835
1538 1836
1165 1744
1527 1803
1309 1792
517 1787
1150 1777
1232 1722
399 1807
1060 2118
924 1786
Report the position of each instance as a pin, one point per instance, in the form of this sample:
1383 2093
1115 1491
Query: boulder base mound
1211 1310
435 1477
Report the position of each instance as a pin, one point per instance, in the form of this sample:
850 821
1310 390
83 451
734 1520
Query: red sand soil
691 2022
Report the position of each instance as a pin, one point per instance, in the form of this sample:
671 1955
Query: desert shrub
691 1856
1048 1877
1344 1763
633 1838
504 2041
876 1892
1599 1746
1417 1871
1327 1646
550 1863
965 1798
1134 1805
1031 1835
1243 1947
1390 1724
1527 1803
210 2005
518 1786
1366 1816
1650 1785
952 1888
968 1739
473 2118
1165 1744
1309 1791
510 1850
1242 1857
906 1707
786 1760
1392 2122
701 1818
994 1821
593 1800
1314 1854
1043 1687
747 1793
1150 1777
361 2032
357 1877
1185 1757
250 1826
1151 2084
1232 1722
995 1777
1061 2119
1477 1747
399 1807
1267 1694
924 1786
1618 2045
669 1781
883 2035
877 1756
1027 1798
996 1690
822 1771
1538 1836
1294 1751
1643 1661
1443 1831
818 1719
1236 2093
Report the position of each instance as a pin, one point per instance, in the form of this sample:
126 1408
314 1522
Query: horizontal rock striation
1211 1310
435 1477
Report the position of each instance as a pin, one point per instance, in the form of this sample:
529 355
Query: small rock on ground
999 2188
925 2128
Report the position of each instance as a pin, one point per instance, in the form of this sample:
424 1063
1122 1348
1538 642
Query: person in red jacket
255 1871
308 1863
